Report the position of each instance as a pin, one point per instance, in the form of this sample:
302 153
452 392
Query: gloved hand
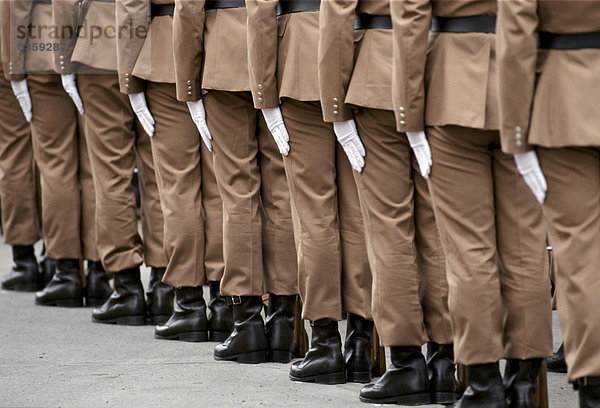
199 117
277 128
21 92
68 82
347 135
529 167
138 103
420 146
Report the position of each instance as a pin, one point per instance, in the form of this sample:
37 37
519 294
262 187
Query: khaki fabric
258 235
89 245
461 89
116 144
573 215
333 267
549 98
494 240
184 173
20 220
410 290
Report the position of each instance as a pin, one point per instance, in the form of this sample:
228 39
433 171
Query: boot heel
414 399
443 398
254 357
197 336
125 320
359 376
74 302
278 356
218 336
330 379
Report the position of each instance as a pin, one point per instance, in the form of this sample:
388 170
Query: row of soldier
358 153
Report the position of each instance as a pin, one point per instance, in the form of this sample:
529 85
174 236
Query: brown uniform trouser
573 213
116 141
17 172
494 239
258 235
333 270
410 290
191 205
60 153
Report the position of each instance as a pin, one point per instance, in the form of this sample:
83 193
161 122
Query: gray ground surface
53 357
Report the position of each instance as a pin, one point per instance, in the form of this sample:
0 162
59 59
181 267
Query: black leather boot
65 288
589 392
159 297
188 322
557 363
520 382
23 275
47 268
324 363
279 328
247 343
485 389
404 383
357 349
441 368
126 305
220 316
97 288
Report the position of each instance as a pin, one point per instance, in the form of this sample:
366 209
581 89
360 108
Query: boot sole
410 400
444 398
328 379
278 356
123 320
254 357
21 287
158 320
218 336
359 376
196 336
73 302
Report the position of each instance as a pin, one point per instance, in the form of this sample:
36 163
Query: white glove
529 167
199 117
21 92
347 135
68 82
138 103
420 146
277 128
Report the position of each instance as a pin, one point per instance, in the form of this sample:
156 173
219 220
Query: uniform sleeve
517 59
133 24
336 57
188 37
65 14
262 52
16 17
411 20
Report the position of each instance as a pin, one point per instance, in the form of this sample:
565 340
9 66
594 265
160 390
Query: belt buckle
236 300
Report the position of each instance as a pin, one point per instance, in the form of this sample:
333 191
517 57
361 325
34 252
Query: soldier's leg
17 187
56 154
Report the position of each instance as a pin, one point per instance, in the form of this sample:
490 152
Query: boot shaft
23 253
190 299
589 395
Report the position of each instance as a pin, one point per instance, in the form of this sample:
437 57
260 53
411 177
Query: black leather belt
162 10
470 24
297 6
224 4
369 21
568 41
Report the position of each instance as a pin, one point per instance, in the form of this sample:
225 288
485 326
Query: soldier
491 226
211 58
60 153
116 142
405 251
17 184
189 197
549 109
333 268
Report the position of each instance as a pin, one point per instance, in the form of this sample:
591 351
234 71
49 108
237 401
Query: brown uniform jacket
349 75
210 49
27 38
450 80
96 44
144 45
283 54
561 108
